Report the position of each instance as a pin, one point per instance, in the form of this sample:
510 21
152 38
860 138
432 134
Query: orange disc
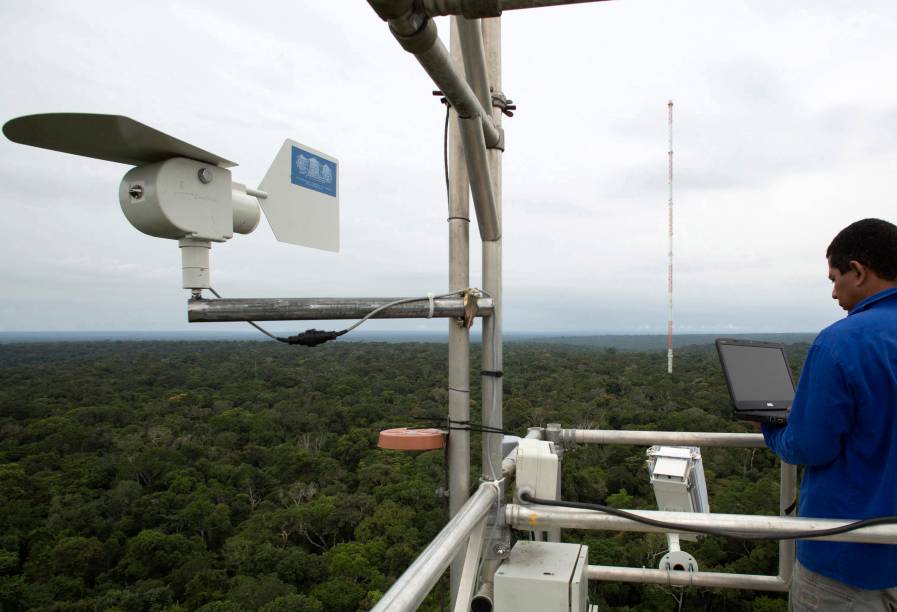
404 439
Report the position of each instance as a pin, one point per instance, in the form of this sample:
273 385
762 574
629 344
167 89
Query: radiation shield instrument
677 477
180 192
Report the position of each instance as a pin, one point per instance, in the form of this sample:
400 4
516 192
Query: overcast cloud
786 131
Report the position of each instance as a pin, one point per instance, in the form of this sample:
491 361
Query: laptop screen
757 373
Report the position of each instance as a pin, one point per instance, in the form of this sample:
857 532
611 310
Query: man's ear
862 272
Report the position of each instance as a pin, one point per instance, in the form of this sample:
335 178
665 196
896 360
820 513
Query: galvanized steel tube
406 593
492 386
478 167
313 309
458 335
542 517
712 580
419 38
471 35
478 171
787 497
672 438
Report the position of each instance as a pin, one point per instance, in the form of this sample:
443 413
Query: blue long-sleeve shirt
843 428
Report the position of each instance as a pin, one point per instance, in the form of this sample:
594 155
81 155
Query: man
843 426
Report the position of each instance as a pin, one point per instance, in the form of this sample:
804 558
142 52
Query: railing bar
536 517
671 438
717 580
412 587
469 572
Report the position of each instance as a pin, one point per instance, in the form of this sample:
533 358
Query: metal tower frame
477 535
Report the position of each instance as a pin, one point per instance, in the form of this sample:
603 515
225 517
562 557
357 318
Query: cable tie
458 218
790 509
497 485
430 297
492 373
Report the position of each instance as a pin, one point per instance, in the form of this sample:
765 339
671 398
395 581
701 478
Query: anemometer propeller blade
109 137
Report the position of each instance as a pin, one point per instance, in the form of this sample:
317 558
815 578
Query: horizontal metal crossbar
319 309
543 517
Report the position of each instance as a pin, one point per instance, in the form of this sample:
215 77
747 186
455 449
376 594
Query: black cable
790 535
254 324
467 426
445 161
314 337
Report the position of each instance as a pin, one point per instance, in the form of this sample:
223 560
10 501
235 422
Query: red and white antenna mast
670 268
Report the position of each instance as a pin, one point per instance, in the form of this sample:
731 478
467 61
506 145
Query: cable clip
430 297
443 99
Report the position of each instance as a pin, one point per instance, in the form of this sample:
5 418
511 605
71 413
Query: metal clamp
506 105
471 308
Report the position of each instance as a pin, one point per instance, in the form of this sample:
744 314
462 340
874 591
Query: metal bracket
500 145
568 439
471 308
506 105
498 537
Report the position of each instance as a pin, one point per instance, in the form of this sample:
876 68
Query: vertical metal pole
670 266
458 335
787 496
492 275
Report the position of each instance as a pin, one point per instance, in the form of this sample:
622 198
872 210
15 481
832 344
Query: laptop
759 379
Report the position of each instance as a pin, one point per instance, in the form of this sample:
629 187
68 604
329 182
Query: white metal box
677 476
538 469
543 577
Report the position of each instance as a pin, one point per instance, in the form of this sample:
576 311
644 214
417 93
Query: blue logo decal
313 172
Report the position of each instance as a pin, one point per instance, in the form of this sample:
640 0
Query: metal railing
415 583
470 80
412 587
787 495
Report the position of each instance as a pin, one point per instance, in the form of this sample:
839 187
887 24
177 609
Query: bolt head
205 176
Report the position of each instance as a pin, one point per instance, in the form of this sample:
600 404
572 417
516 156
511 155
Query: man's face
844 287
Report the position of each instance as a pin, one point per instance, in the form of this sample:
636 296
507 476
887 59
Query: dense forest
226 476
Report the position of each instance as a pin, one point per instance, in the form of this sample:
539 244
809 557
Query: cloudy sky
786 130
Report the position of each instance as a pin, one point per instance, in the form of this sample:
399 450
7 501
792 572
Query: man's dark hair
872 242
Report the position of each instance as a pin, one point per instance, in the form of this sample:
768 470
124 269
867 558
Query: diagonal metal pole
469 572
492 276
459 335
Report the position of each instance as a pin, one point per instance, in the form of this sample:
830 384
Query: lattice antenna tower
670 254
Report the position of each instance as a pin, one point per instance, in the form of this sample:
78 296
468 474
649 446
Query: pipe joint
500 142
420 40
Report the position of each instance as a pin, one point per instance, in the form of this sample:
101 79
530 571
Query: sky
785 131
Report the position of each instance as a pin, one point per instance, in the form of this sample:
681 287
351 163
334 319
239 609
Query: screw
135 191
205 176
